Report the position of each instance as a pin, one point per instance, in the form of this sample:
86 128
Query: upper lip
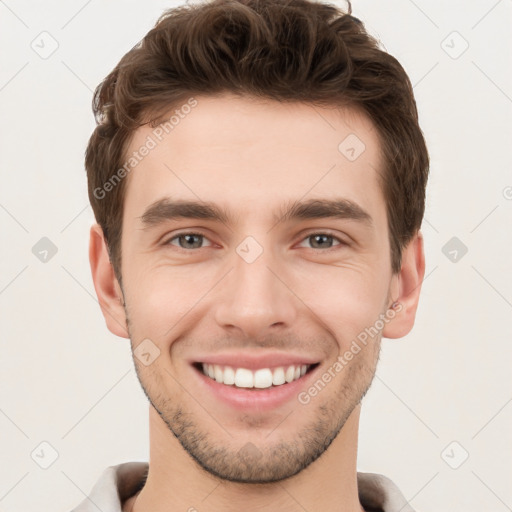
255 361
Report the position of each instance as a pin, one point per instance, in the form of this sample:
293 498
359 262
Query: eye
323 240
188 240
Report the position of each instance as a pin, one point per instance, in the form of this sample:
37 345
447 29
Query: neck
177 483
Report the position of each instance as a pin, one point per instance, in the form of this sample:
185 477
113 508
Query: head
287 126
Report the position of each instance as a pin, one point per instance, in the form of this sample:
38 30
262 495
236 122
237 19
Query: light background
66 380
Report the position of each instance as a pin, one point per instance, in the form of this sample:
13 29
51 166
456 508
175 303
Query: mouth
257 379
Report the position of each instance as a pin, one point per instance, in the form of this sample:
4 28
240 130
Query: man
258 177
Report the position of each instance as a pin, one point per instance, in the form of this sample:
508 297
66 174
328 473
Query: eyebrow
166 209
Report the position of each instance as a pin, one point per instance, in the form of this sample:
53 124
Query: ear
110 295
410 279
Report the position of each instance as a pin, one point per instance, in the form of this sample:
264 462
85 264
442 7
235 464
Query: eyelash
309 235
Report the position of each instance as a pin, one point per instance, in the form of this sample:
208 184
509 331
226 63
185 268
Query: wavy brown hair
285 50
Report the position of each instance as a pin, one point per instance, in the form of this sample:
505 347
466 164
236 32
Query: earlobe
107 288
410 279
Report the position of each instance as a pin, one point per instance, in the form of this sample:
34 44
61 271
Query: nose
255 297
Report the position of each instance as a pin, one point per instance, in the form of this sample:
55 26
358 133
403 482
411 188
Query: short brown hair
286 50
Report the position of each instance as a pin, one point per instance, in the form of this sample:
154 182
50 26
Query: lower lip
255 399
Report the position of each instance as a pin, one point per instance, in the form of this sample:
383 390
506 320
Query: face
284 254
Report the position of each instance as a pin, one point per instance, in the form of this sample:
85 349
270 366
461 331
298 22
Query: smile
260 379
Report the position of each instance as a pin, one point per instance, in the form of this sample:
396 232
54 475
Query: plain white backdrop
438 417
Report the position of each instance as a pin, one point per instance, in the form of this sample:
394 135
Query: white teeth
229 375
278 376
217 371
244 378
262 378
290 373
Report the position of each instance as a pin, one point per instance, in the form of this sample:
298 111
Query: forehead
250 156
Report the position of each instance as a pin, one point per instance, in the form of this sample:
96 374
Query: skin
249 156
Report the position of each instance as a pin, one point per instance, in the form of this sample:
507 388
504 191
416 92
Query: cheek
165 299
347 300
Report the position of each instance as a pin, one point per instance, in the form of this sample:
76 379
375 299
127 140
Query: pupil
320 238
190 238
